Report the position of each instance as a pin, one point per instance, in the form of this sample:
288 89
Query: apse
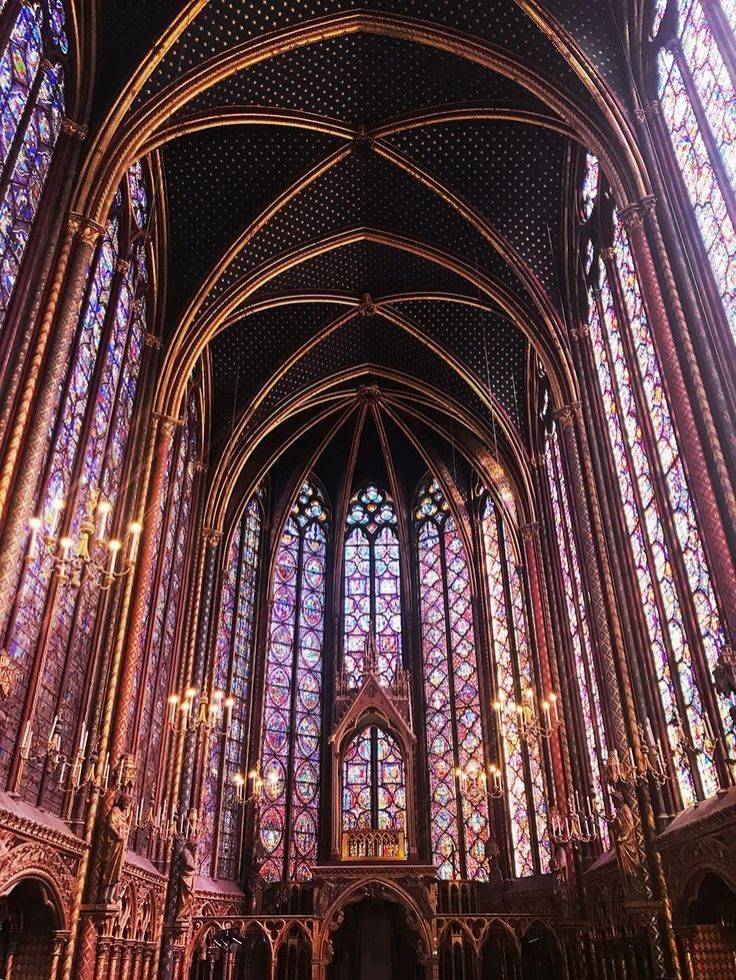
367 512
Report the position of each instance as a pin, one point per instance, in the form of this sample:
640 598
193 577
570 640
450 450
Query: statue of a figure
187 875
114 844
493 859
623 833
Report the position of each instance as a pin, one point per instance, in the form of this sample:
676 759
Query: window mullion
292 703
706 132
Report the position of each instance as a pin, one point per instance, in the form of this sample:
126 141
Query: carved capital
567 414
369 393
151 340
367 306
529 532
580 333
122 266
74 129
211 537
166 423
632 216
87 230
608 254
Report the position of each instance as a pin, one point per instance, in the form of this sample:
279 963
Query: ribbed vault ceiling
366 203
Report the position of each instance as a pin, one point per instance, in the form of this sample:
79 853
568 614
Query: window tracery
219 846
675 591
459 816
32 76
289 806
374 783
372 584
515 685
86 459
697 96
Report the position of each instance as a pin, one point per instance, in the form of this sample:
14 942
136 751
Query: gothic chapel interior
367 471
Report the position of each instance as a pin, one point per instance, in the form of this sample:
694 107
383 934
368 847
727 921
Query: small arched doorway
540 955
374 942
28 931
500 957
709 937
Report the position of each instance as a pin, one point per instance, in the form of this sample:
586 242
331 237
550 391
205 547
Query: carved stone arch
684 897
45 867
378 887
123 924
499 924
451 924
146 917
373 704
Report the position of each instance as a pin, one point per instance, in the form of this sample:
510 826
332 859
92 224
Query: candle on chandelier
114 547
229 705
552 698
546 717
103 510
173 702
65 546
34 524
135 534
25 745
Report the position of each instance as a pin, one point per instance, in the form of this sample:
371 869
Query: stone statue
623 833
114 844
187 875
493 856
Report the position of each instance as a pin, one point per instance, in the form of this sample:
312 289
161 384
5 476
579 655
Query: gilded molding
152 340
567 414
74 129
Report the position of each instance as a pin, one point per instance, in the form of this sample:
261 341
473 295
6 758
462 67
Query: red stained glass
290 763
458 801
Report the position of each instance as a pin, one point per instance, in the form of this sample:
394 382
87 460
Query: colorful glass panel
372 589
374 783
289 816
577 620
25 185
698 97
458 802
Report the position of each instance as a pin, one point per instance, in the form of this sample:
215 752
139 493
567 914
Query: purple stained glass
292 709
372 584
18 68
577 619
458 801
138 193
373 783
27 178
57 24
233 665
695 84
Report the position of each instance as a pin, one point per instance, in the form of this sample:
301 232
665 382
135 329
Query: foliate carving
87 230
211 536
74 129
122 266
566 414
632 216
152 340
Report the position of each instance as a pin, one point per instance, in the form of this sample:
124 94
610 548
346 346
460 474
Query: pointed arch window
374 783
372 584
575 610
165 588
697 96
290 759
85 464
220 843
515 685
456 758
32 70
677 599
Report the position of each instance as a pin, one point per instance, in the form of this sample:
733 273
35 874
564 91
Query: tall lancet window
680 612
289 811
455 752
372 592
515 686
31 113
577 622
697 96
82 479
220 842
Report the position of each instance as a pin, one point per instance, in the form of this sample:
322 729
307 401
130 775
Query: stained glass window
31 112
155 677
697 97
644 445
456 759
515 687
577 623
372 589
373 783
289 812
232 680
85 460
